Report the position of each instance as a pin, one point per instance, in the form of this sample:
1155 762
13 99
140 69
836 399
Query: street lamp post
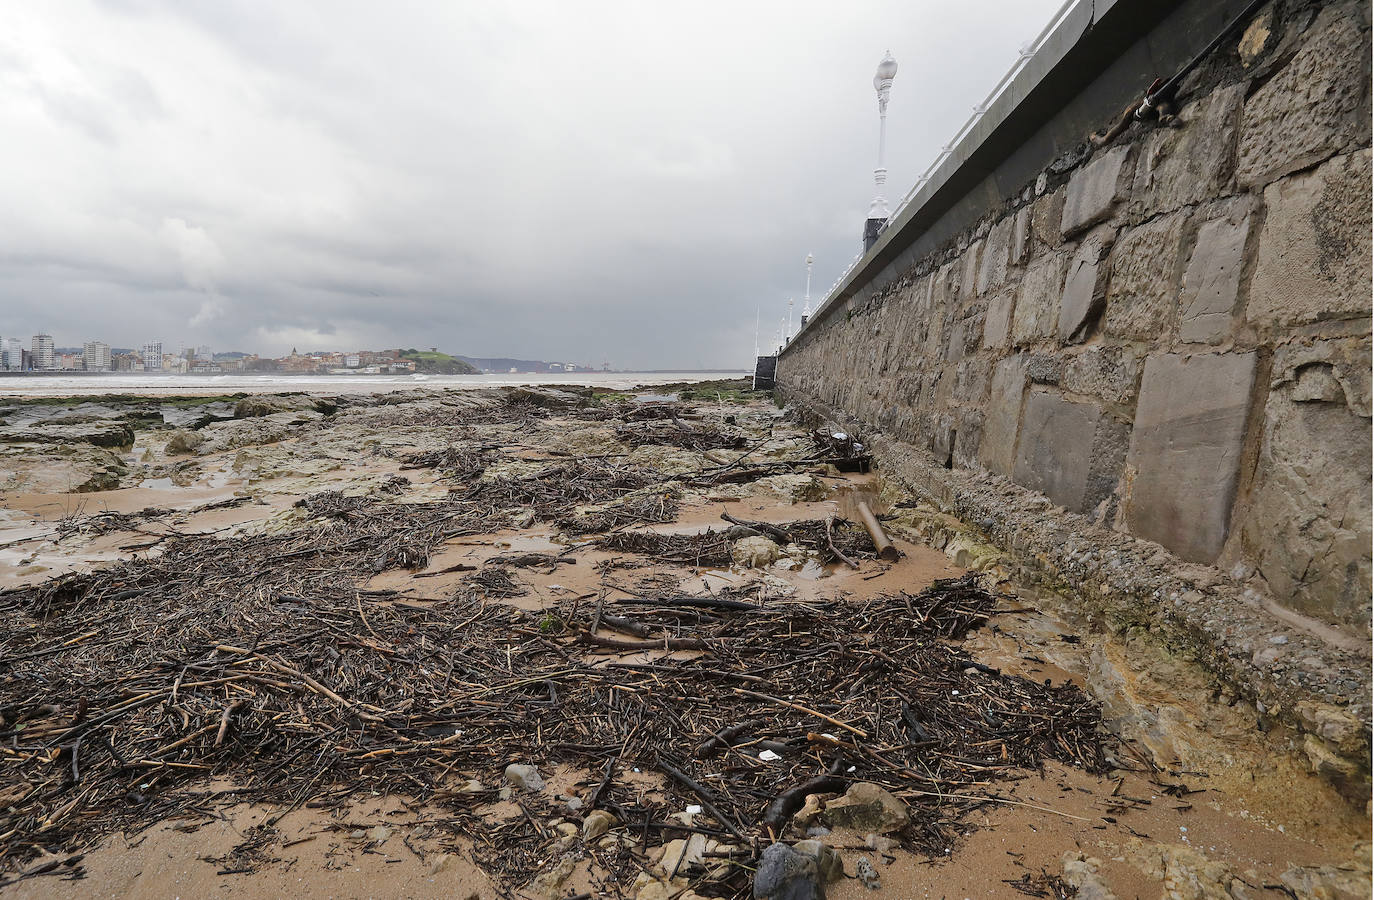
878 212
806 302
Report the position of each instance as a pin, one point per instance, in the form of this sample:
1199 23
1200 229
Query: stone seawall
1167 335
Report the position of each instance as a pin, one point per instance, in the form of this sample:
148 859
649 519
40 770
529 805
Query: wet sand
1226 808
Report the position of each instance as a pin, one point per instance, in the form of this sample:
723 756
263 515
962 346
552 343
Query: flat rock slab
101 434
1095 189
1142 293
1069 451
1212 280
1086 285
1185 450
998 449
1313 261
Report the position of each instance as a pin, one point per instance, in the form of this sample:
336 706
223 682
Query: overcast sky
581 181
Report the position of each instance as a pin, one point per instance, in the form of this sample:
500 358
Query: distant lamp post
806 302
790 301
878 212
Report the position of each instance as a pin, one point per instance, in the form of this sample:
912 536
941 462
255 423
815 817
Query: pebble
597 823
524 776
867 874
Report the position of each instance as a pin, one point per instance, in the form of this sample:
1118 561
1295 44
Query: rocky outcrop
99 433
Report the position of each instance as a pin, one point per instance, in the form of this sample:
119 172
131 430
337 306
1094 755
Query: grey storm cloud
592 181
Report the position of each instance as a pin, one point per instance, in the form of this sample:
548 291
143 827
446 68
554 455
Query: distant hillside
506 364
432 362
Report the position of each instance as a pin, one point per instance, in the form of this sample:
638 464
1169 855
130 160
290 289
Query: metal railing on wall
1027 51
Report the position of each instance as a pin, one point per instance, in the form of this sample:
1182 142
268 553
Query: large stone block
1143 286
1315 107
1212 279
971 382
1307 528
1046 215
997 325
998 451
1095 189
968 271
1193 163
1313 259
1020 235
1185 450
992 272
940 301
1069 451
958 341
1037 306
1085 288
1109 373
969 423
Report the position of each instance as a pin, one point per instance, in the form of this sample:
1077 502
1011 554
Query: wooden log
665 643
875 532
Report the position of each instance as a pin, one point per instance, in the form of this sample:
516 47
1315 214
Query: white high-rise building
152 356
12 354
96 356
42 352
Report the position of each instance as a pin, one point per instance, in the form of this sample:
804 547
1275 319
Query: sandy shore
1192 798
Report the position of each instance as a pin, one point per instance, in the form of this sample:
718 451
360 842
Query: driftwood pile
837 540
553 490
124 691
460 461
257 669
676 433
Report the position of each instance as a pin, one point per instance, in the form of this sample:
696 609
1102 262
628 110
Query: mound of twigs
707 548
676 433
648 412
123 700
459 461
494 582
554 489
647 507
97 523
712 548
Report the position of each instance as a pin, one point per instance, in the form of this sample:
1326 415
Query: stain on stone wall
1170 334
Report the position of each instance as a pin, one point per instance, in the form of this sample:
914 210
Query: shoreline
108 384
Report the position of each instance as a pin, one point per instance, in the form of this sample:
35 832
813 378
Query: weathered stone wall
1169 334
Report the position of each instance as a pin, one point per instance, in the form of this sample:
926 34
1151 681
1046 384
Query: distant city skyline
44 353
